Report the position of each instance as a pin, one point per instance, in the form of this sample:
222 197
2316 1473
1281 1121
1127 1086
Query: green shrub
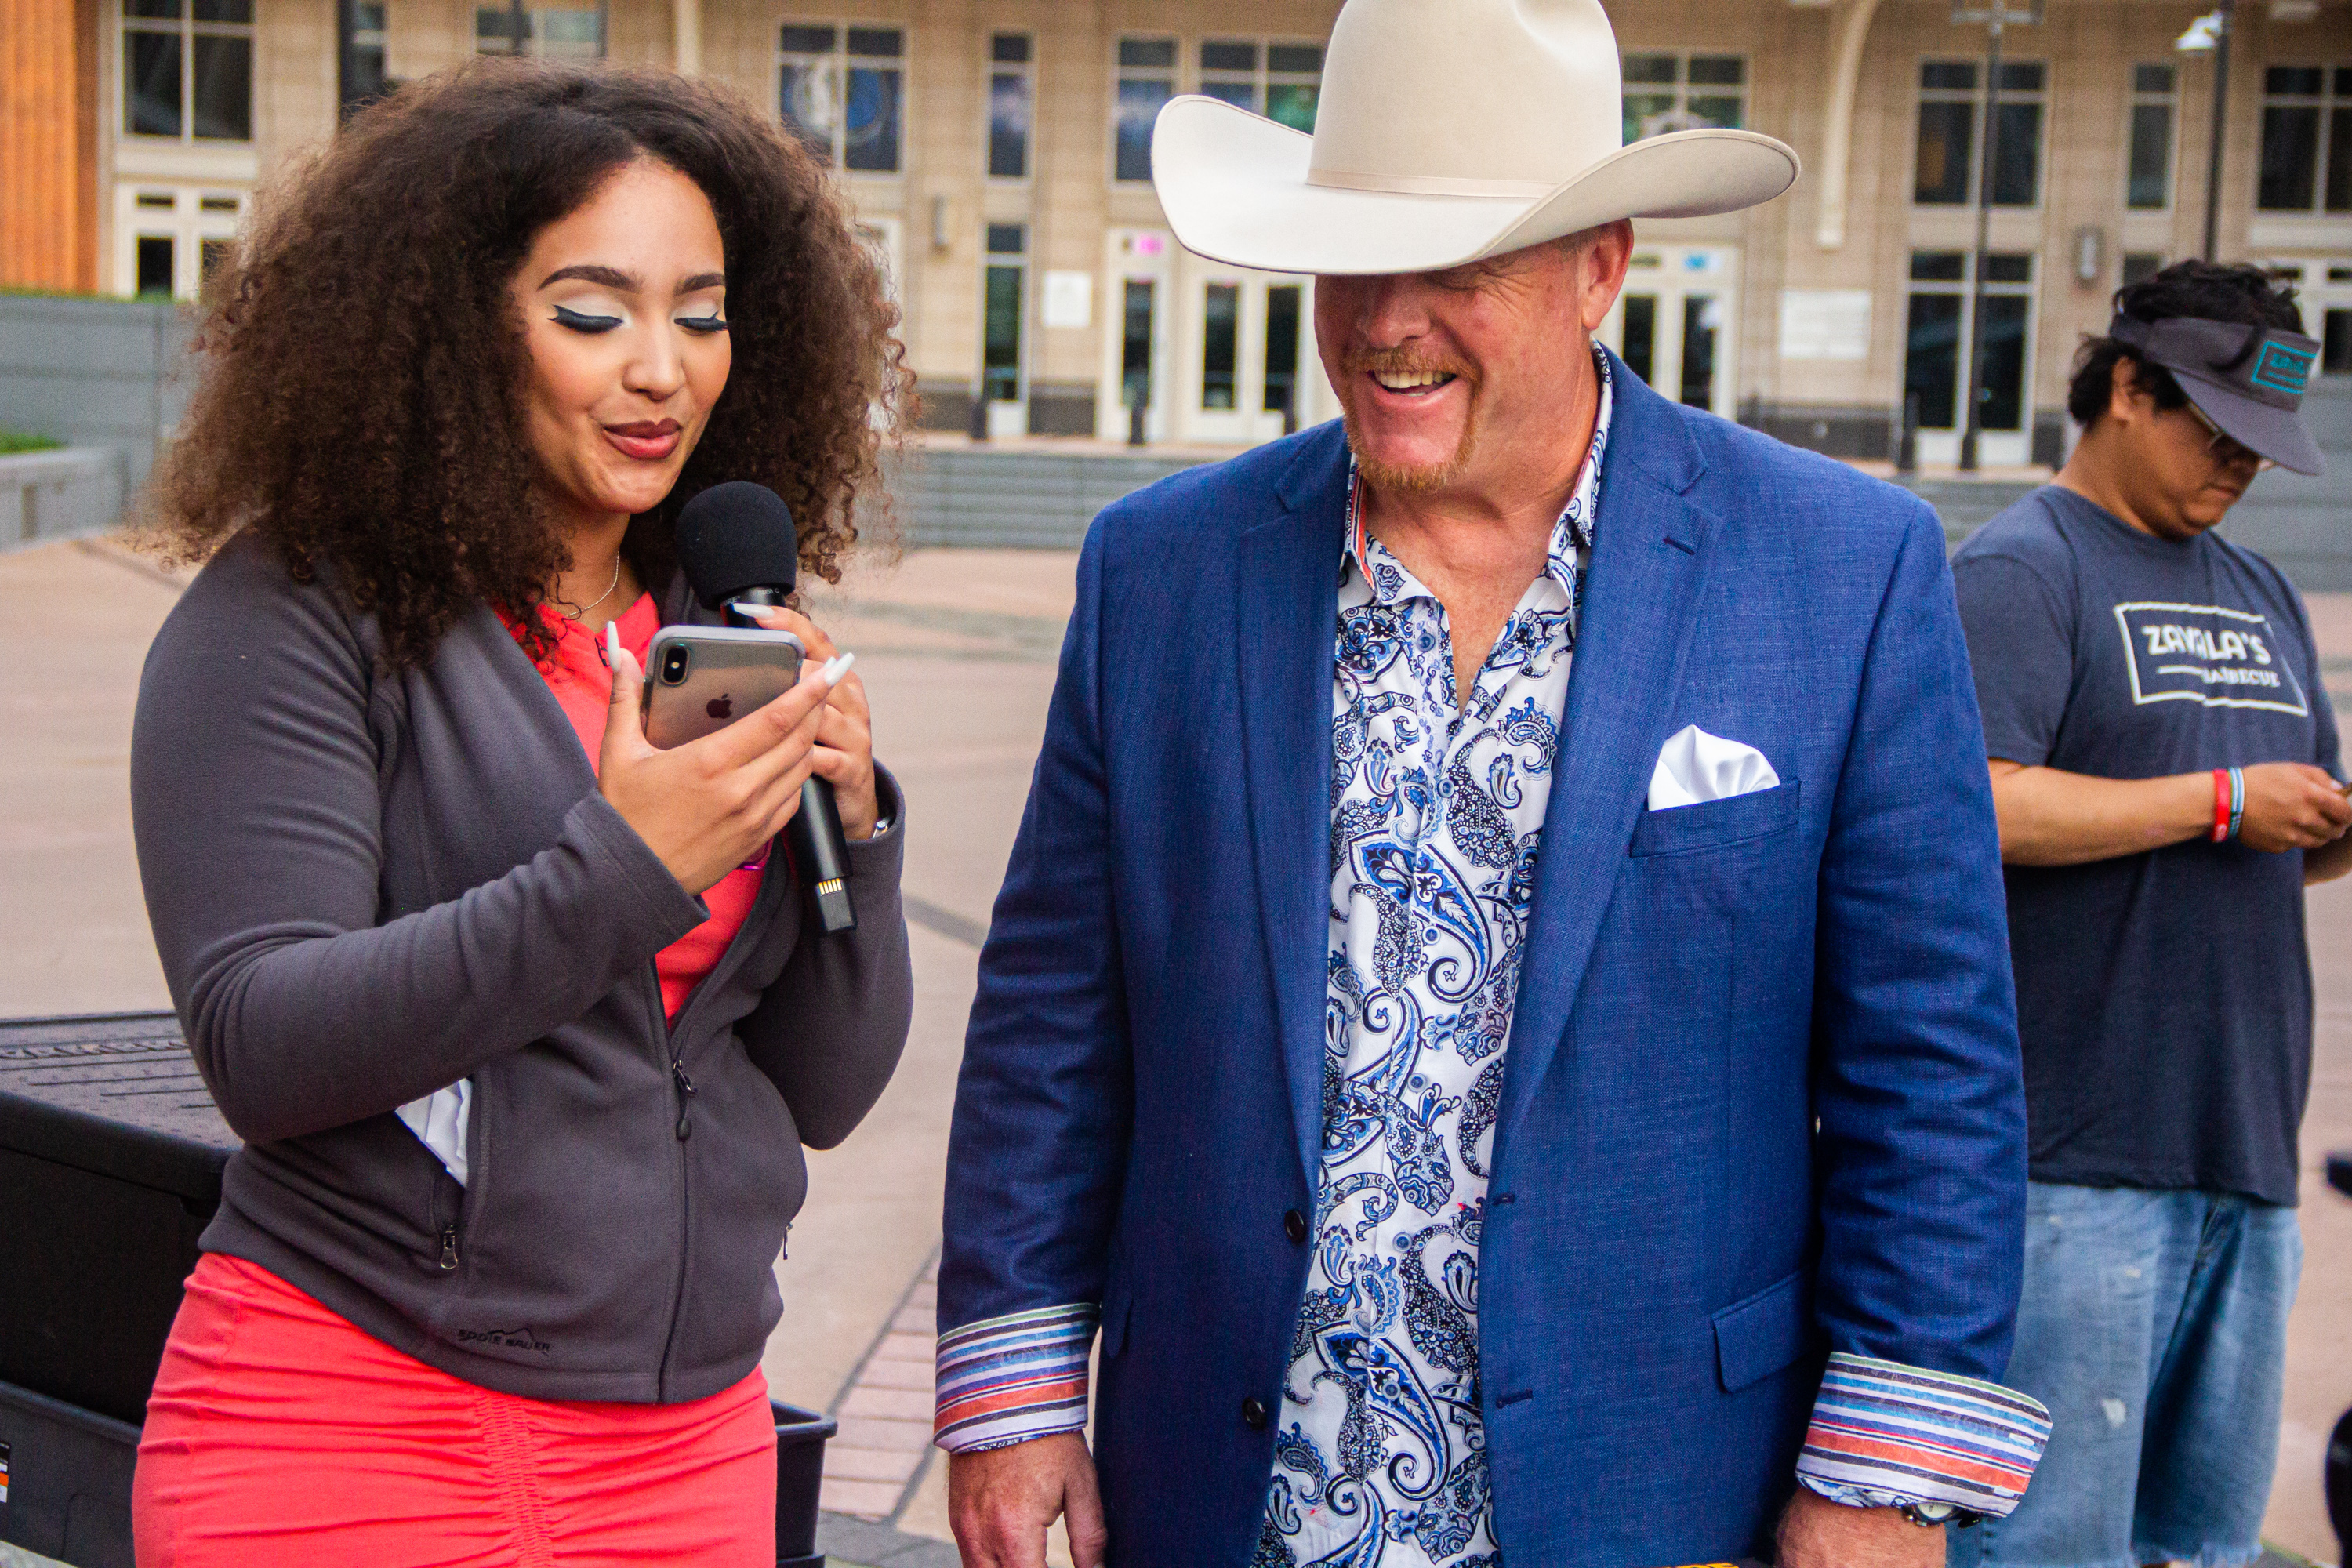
17 441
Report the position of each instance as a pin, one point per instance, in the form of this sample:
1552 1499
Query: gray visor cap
2248 380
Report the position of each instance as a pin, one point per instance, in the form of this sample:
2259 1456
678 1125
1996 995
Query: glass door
1672 323
1136 356
1245 362
1003 315
1938 328
1223 356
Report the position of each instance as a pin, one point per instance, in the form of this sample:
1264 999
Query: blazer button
1294 1224
1254 1414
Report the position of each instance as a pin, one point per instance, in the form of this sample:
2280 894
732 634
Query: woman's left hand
845 738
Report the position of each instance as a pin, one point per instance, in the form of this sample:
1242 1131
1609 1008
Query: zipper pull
448 1247
678 1071
684 1093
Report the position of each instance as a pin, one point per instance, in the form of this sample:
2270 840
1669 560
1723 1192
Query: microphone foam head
736 536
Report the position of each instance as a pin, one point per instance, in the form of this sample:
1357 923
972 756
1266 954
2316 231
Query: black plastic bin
800 1438
110 1155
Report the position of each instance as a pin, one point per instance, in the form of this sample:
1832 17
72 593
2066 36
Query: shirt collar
1570 533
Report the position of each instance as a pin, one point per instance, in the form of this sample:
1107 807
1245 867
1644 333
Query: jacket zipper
771 889
448 1247
679 1081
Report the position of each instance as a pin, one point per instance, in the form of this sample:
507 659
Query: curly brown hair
358 402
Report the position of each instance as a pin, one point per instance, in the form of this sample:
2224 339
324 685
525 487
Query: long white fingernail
613 643
838 667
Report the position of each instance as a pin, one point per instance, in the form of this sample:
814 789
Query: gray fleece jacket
367 883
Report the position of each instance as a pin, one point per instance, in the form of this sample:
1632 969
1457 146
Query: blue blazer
1763 1096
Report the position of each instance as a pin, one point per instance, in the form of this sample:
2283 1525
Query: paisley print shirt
1437 804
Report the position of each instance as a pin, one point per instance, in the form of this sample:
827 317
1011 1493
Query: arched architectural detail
1851 31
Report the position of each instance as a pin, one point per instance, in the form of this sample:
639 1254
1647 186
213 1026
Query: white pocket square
1695 766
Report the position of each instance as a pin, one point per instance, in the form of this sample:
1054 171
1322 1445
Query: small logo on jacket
2209 655
517 1339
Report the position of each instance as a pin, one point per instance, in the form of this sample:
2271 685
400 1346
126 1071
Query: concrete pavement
956 647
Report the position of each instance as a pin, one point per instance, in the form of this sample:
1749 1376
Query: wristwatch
1927 1515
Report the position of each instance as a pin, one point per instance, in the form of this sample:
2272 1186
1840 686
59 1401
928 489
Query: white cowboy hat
1448 130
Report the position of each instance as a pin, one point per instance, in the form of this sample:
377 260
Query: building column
46 194
1851 31
685 34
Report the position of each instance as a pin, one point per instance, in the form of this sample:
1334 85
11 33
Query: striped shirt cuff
1885 1434
1005 1380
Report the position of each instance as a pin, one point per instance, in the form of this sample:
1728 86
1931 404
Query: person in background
2164 768
518 1015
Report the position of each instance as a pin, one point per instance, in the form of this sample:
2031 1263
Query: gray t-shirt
2164 998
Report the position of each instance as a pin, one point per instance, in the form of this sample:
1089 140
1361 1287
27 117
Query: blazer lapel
1287 607
1648 564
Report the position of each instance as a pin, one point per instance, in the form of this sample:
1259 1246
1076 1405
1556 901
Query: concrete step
950 496
1045 500
1966 505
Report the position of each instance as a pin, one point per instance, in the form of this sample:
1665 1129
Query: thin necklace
580 610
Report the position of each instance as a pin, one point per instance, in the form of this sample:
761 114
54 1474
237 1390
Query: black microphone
737 545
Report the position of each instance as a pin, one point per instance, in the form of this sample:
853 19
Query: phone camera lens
673 669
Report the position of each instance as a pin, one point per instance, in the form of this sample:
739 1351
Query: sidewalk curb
854 1541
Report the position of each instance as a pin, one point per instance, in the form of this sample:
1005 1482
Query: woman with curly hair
518 1017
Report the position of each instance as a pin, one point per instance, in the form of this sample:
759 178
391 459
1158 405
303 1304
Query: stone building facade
996 152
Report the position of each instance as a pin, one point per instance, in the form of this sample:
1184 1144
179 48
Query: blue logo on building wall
2281 367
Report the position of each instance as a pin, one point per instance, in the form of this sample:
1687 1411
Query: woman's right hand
706 808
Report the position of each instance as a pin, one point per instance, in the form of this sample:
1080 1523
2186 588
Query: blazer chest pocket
1679 830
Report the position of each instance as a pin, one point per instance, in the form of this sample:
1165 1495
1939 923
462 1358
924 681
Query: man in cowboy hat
2165 762
1499 1008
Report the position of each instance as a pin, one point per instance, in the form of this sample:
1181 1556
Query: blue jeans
2154 1326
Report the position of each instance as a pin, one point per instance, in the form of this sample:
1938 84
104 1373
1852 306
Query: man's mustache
1405 361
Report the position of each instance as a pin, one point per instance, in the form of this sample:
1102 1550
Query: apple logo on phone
720 707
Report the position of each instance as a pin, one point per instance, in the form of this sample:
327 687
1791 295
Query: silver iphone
701 678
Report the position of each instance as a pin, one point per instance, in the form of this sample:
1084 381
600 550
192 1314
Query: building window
1135 344
548 32
1702 324
1280 81
2147 183
1011 105
1221 323
1935 346
1280 392
1000 355
154 263
187 69
2139 265
2307 140
1146 78
1229 71
359 77
1641 335
1683 93
1951 91
842 89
